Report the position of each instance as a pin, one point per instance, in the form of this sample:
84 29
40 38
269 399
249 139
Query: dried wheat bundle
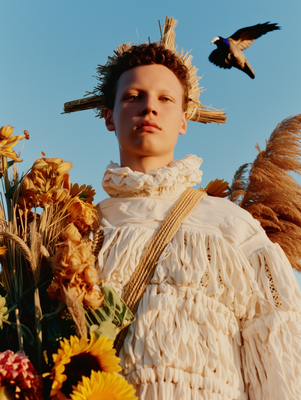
271 194
196 111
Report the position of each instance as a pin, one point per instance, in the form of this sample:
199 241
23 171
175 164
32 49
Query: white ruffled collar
170 180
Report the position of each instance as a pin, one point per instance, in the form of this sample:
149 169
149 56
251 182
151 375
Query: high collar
170 180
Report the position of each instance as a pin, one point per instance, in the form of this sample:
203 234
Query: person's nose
149 106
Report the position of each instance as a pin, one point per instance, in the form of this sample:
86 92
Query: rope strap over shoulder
144 272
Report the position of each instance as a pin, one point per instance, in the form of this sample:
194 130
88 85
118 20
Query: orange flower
71 232
90 276
93 298
72 266
54 195
83 215
48 182
72 258
55 290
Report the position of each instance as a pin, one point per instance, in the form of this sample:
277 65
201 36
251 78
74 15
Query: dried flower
72 258
54 195
72 266
90 275
71 232
48 182
83 215
17 373
3 310
93 298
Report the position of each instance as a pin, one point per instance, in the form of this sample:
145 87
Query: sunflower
84 192
103 386
77 358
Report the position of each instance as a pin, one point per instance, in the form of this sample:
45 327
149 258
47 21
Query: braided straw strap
145 270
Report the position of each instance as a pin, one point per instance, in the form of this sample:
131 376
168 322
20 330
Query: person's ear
108 116
183 127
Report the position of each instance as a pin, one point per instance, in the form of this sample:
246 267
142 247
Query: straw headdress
196 111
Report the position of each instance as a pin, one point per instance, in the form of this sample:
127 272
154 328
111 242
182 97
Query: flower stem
20 336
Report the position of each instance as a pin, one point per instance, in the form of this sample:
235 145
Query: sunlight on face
148 114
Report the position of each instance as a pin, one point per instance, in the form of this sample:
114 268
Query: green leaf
115 307
10 192
106 328
114 311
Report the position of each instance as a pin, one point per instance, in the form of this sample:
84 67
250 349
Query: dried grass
270 193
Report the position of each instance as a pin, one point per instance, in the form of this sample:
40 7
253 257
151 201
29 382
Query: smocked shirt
221 318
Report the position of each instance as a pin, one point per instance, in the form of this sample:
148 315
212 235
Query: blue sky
50 51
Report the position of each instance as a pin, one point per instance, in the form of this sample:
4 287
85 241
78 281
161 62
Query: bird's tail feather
249 71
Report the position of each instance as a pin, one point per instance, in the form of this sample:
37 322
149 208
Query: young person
221 317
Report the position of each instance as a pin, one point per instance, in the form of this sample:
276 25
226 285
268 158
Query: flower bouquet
57 320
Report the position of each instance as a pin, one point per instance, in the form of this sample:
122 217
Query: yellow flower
104 386
77 358
48 182
3 310
6 131
7 142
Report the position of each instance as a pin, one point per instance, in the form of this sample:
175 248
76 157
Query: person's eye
165 99
132 97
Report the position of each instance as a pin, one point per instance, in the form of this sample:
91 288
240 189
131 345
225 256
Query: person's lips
148 126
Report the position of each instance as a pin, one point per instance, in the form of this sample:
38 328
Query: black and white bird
229 51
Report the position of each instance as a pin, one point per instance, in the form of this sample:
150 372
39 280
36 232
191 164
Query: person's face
148 112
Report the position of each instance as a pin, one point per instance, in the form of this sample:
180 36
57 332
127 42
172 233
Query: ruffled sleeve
271 351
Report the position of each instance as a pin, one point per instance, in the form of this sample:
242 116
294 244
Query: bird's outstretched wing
245 37
219 58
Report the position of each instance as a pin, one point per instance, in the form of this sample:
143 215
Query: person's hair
144 54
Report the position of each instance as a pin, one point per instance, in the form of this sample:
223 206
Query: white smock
221 318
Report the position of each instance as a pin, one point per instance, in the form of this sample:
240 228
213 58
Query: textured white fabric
207 326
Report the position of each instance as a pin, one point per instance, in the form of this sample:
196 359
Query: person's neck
144 164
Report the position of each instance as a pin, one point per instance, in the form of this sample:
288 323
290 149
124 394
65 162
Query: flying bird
229 50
